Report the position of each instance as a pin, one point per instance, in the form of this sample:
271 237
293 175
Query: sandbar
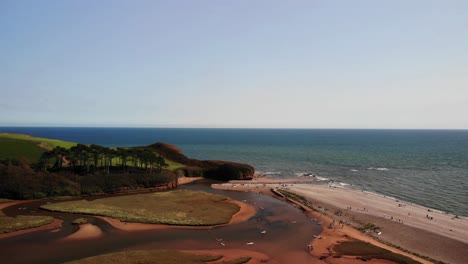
86 231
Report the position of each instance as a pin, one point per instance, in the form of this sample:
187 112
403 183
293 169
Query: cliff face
214 169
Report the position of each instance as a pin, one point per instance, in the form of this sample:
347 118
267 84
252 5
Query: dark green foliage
118 182
215 169
94 169
19 181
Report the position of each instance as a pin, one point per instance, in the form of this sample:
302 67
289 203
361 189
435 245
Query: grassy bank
10 224
3 200
367 251
156 256
187 208
17 145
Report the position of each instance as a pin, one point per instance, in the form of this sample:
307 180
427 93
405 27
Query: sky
234 64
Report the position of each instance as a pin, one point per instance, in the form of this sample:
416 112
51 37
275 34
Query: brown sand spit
332 205
86 231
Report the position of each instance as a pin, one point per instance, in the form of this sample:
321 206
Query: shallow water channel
288 231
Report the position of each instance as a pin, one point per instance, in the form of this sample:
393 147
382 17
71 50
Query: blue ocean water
426 167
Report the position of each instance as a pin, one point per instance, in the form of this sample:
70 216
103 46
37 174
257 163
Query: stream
288 231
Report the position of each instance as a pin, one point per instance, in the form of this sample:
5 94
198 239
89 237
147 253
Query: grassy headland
32 167
18 145
173 208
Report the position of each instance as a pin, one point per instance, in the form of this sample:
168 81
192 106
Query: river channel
288 231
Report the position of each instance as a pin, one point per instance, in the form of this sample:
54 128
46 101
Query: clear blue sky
292 64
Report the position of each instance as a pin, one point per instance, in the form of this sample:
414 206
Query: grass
3 200
17 145
367 251
149 256
14 148
80 221
173 165
10 224
52 143
188 208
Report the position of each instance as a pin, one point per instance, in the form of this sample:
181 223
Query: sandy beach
414 228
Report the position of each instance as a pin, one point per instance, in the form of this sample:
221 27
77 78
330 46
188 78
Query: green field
156 256
10 224
173 165
188 208
17 145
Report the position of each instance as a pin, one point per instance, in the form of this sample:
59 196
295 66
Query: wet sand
403 224
86 231
231 254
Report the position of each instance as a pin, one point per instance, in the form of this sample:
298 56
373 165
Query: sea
424 167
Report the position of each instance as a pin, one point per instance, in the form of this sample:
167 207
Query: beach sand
402 224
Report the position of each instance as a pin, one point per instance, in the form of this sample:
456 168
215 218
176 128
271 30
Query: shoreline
261 178
440 243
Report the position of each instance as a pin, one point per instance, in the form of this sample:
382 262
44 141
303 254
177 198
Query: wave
378 169
338 184
305 174
353 170
269 172
322 178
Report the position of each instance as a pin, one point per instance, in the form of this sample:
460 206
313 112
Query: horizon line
259 128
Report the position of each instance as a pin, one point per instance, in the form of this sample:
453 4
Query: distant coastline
426 167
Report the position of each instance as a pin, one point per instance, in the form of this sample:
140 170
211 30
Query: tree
44 160
97 153
123 154
59 153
